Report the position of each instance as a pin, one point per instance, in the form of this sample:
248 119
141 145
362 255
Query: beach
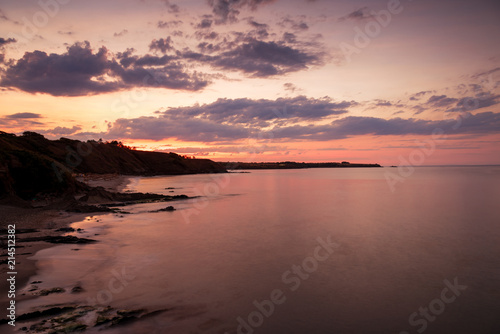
41 222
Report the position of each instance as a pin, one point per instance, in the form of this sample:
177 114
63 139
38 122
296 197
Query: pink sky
248 80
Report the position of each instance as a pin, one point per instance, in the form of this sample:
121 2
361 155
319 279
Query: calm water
252 237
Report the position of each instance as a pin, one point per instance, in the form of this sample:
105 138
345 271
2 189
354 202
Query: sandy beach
40 222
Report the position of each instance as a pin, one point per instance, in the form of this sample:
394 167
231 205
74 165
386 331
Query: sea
326 250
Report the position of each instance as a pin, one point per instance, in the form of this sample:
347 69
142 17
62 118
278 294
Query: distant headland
293 165
32 165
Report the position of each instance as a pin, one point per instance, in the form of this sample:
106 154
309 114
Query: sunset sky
259 80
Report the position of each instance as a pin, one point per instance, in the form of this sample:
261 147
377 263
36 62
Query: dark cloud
61 131
5 41
357 15
168 24
418 95
163 45
228 10
383 103
257 25
80 71
207 35
479 124
205 23
206 47
251 53
289 38
227 120
23 119
254 149
482 100
263 59
441 100
24 115
263 112
158 128
295 24
290 87
67 74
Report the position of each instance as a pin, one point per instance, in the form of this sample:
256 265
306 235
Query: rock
168 208
44 313
77 289
65 229
60 239
46 292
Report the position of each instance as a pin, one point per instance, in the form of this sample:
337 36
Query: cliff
31 164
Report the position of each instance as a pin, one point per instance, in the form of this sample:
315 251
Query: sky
376 81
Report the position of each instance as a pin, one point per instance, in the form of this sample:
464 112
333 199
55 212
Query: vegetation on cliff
32 165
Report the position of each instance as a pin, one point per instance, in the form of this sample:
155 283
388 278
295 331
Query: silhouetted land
293 165
31 165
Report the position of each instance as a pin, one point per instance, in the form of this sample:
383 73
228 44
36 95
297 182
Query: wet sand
45 222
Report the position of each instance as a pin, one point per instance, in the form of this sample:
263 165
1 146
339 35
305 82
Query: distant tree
32 134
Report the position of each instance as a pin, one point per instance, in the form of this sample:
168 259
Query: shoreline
45 222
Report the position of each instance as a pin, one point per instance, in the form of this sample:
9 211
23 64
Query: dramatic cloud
80 71
262 59
211 127
263 112
226 119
